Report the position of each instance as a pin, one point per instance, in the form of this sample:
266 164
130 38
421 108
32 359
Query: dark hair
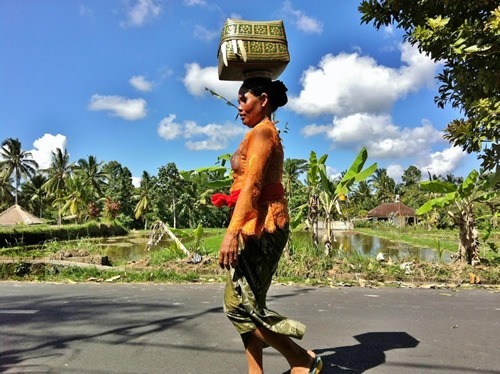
275 90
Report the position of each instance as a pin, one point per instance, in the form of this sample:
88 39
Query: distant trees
16 162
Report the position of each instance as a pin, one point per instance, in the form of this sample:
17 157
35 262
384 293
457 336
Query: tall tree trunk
468 248
313 219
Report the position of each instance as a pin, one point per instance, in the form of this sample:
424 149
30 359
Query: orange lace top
257 163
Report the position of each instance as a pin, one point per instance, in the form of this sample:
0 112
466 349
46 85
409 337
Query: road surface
160 328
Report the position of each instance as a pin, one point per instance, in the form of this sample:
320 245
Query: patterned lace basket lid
247 46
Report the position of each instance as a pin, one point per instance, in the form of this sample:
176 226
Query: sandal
316 366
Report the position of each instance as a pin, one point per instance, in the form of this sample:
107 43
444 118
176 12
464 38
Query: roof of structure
17 215
388 209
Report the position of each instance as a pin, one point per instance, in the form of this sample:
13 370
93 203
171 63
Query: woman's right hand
228 253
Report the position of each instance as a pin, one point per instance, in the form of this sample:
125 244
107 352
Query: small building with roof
15 215
397 213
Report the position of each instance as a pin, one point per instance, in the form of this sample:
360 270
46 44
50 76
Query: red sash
270 192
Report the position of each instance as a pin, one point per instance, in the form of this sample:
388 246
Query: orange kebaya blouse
258 164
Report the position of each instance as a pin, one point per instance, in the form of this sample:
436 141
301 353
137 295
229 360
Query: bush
33 235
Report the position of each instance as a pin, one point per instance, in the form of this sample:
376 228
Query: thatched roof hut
399 213
16 215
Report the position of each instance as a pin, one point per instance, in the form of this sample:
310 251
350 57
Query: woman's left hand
228 253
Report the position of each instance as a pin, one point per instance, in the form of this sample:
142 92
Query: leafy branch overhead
465 35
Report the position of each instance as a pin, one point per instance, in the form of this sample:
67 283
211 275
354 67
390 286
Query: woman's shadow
369 353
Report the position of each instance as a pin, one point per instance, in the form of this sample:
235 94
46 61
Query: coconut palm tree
16 161
293 168
92 174
144 198
384 185
58 172
33 194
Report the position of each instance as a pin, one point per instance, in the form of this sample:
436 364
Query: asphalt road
147 328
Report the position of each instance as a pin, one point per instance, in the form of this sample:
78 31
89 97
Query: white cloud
442 163
313 129
203 33
383 139
194 2
139 82
136 181
344 84
301 20
118 106
197 79
214 136
141 12
44 146
395 171
168 129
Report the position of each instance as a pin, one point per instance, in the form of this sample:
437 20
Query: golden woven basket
250 46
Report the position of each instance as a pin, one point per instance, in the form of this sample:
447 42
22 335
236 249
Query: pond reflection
128 248
349 242
133 246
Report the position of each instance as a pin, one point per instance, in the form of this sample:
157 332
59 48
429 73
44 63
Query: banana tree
332 193
324 194
462 197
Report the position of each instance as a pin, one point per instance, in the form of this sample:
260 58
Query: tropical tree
59 171
384 185
75 199
293 169
362 197
143 198
6 190
16 162
464 35
119 191
33 195
169 187
92 174
462 199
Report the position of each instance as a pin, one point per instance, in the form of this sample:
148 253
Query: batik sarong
247 285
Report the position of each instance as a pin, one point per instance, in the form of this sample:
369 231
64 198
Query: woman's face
251 108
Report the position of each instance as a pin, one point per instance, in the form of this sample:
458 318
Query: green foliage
465 35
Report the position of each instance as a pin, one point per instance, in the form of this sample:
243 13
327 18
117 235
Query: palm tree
293 168
58 172
6 190
144 196
93 175
16 161
384 185
34 195
76 199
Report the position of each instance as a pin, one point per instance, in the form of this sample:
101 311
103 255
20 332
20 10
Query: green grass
302 263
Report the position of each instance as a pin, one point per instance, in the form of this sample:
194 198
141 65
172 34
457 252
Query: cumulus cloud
139 82
213 136
198 78
118 106
383 139
141 12
344 84
301 20
442 163
395 171
44 146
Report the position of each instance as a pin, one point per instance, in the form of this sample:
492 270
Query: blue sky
125 80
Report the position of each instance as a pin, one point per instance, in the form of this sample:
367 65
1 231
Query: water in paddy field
133 247
349 242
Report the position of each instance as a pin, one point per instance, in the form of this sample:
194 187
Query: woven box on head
252 47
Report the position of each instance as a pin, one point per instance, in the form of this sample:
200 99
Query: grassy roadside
302 264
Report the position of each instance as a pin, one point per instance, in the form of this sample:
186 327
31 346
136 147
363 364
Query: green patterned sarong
248 283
